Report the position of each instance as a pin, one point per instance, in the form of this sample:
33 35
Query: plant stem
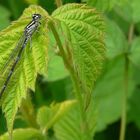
125 93
28 113
131 33
74 79
68 65
124 100
58 3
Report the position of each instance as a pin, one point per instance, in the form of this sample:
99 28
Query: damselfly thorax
29 30
33 25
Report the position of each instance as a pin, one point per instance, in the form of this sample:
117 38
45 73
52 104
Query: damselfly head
36 16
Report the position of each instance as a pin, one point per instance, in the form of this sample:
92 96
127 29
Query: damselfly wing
29 30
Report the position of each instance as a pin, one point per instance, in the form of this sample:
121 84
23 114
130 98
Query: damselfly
29 30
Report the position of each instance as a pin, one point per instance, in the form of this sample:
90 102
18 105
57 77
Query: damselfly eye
36 16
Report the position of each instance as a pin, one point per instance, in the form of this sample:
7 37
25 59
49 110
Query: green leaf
63 89
16 7
108 92
130 11
115 40
105 5
32 62
56 68
125 12
31 1
133 106
48 116
86 27
134 54
134 109
119 20
70 127
135 10
43 116
24 134
4 17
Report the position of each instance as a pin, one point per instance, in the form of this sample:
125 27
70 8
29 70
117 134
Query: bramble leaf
4 18
71 127
48 116
116 43
130 11
43 116
134 54
135 10
86 28
56 68
32 62
108 96
134 109
24 134
105 5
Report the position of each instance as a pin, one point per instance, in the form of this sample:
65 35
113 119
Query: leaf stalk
125 93
58 3
74 78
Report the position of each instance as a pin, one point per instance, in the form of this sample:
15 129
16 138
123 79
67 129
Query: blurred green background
120 17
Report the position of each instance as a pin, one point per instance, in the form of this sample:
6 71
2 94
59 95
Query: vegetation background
117 90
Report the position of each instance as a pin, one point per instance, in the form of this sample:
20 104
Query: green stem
74 77
124 100
28 113
125 93
131 33
58 3
66 62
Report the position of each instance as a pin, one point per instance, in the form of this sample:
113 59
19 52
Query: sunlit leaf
32 62
43 116
86 28
48 116
71 126
24 134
